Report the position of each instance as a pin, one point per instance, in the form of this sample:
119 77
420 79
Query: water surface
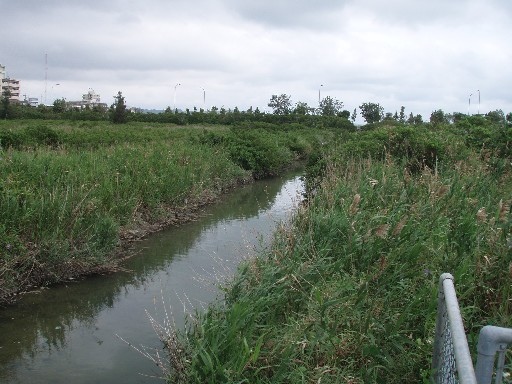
67 334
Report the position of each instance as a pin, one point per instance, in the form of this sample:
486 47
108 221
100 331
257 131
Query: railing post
440 324
451 351
491 340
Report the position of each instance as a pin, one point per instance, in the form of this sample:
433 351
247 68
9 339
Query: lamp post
469 102
478 101
204 98
54 85
321 85
174 106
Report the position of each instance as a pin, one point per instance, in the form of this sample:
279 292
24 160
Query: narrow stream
67 334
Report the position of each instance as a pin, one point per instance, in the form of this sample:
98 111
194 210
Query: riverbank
348 291
73 194
67 332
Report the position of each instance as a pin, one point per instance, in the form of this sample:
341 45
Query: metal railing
451 362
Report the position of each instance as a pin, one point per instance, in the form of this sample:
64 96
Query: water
67 334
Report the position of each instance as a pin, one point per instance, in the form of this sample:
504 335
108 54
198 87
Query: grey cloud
285 14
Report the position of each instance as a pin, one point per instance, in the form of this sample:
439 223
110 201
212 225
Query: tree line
329 112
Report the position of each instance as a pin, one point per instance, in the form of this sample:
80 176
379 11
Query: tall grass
62 210
348 292
70 192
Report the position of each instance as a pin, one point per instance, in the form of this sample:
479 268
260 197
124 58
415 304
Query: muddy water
67 334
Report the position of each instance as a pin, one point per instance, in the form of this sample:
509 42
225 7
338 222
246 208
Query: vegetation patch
348 291
73 193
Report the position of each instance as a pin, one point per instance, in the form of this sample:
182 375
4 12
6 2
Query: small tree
354 115
372 112
330 106
302 108
345 114
437 117
6 104
280 104
401 117
496 116
119 114
418 119
59 106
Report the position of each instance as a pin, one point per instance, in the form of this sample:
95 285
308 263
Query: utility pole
45 76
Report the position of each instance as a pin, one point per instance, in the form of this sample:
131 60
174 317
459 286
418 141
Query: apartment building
9 84
90 99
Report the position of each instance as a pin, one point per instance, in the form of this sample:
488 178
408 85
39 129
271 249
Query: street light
478 101
321 85
204 98
51 91
174 106
469 103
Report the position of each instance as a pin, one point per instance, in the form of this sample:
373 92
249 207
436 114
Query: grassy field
347 294
71 193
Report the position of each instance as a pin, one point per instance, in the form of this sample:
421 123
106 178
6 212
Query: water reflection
67 333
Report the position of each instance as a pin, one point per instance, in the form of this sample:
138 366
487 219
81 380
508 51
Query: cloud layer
422 55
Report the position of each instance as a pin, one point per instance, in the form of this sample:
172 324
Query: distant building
9 84
90 99
33 101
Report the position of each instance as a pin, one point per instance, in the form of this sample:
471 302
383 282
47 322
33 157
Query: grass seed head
355 204
400 226
481 215
382 231
504 208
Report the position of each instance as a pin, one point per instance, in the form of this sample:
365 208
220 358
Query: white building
11 85
90 99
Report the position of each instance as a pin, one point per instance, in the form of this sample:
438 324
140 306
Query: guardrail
451 362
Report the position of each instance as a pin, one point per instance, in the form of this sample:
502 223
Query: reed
72 192
348 291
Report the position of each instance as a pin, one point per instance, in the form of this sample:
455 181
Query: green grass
348 291
71 191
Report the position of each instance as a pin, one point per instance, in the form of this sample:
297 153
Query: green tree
280 104
438 117
119 113
330 106
372 112
418 119
401 116
345 114
302 108
354 115
59 106
5 111
496 116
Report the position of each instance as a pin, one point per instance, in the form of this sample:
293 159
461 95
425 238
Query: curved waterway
67 334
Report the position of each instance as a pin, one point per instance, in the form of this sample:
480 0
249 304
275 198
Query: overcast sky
424 55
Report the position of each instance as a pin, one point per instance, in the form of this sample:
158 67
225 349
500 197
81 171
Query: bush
42 135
